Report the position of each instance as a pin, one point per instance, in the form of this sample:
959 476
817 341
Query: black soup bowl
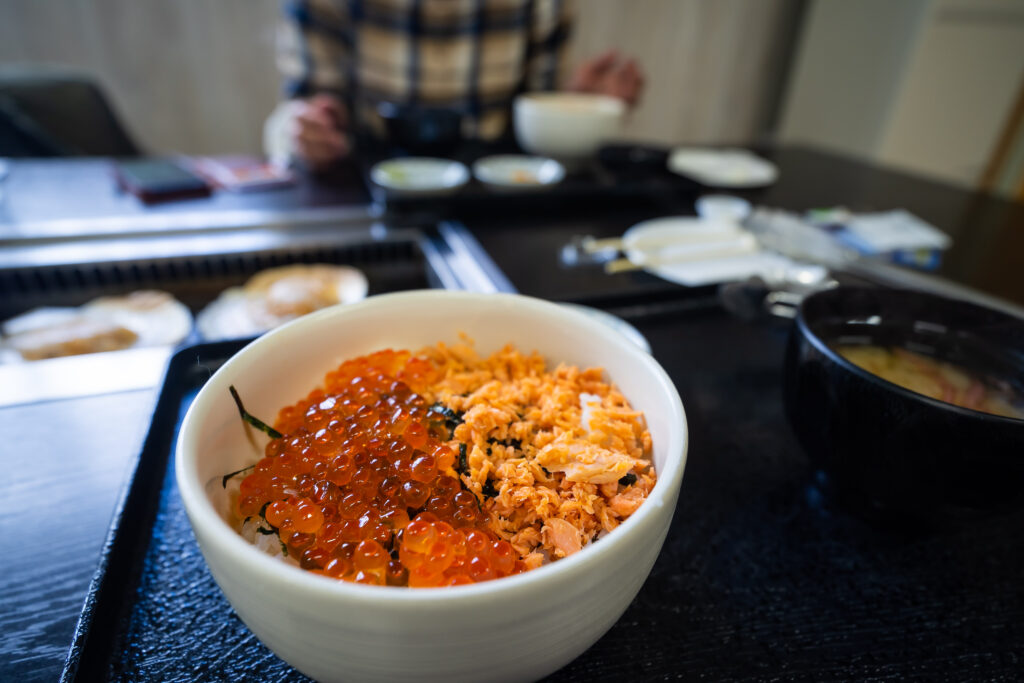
884 447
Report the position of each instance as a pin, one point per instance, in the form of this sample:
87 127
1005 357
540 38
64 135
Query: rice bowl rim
219 533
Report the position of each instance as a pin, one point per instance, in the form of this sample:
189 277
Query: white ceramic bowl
516 628
567 126
616 322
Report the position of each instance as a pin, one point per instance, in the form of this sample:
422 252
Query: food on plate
395 174
112 323
277 295
156 317
933 378
442 468
71 337
524 177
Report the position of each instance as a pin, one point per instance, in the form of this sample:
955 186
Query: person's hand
318 131
609 74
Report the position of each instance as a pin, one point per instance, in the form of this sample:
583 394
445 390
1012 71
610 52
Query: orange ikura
369 481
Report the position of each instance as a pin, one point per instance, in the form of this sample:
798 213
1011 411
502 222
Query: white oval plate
723 167
420 176
693 251
518 172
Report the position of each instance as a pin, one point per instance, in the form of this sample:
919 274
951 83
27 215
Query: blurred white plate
693 251
517 172
616 323
723 167
420 176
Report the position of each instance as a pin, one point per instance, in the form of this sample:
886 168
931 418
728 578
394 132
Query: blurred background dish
723 207
569 127
277 295
419 176
111 323
723 167
518 172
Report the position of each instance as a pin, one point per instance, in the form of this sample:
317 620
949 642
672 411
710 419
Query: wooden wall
197 76
936 95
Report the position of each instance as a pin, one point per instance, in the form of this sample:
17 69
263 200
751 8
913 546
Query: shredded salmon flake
554 481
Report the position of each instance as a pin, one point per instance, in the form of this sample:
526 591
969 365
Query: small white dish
518 172
419 176
723 207
734 168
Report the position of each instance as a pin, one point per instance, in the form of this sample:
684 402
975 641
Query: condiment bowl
884 447
520 627
518 173
419 177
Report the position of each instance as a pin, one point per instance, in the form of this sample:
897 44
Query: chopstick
739 248
593 245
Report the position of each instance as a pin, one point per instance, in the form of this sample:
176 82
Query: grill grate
196 280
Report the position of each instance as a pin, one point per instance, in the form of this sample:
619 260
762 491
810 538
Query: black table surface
987 232
937 600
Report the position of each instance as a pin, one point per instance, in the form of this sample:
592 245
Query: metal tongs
789 235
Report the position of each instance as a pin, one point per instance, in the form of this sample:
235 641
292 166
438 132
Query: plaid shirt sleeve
314 48
550 27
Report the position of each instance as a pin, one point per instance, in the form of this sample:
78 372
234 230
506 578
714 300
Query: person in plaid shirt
342 58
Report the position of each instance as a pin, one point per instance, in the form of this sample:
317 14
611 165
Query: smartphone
158 180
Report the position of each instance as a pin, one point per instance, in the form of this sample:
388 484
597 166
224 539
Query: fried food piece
277 295
71 338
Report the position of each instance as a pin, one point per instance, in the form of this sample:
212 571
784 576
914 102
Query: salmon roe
361 486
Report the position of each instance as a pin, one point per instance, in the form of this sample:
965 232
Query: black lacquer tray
622 173
761 577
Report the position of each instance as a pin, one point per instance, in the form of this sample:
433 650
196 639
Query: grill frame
196 268
197 279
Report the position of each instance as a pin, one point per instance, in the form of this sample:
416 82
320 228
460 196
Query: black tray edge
128 529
